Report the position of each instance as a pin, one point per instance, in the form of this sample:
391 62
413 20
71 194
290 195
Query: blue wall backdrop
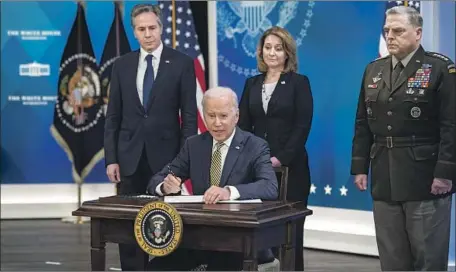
336 40
447 46
29 153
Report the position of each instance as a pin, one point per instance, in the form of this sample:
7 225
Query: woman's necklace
266 95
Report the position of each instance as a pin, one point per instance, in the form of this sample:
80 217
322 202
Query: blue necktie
148 80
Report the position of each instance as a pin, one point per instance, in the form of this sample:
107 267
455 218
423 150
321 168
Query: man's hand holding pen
171 183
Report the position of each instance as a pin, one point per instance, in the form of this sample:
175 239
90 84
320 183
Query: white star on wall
343 191
313 189
327 189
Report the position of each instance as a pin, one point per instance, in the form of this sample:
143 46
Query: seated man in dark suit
224 163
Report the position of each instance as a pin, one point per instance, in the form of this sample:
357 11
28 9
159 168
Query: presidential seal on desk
158 228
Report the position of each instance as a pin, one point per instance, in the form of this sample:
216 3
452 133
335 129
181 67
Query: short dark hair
142 8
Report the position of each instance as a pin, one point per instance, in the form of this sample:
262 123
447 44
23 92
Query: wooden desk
244 228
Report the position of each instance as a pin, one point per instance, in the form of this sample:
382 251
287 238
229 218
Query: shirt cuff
234 193
183 190
158 189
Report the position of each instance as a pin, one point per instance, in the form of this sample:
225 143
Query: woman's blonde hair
288 44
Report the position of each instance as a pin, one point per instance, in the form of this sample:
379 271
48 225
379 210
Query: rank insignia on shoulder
452 71
437 55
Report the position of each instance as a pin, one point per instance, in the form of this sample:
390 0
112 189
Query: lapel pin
166 61
283 82
237 147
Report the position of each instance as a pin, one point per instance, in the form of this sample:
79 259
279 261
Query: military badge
377 78
410 91
369 111
158 228
372 86
415 112
452 70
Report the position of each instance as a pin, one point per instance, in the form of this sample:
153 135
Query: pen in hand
174 175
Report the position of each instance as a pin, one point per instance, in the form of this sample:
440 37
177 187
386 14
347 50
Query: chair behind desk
283 182
274 266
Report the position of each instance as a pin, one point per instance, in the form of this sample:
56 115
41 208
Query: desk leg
287 251
250 256
97 252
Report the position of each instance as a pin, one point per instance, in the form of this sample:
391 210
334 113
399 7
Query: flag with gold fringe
78 123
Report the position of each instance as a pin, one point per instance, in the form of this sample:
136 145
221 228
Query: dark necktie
148 80
396 72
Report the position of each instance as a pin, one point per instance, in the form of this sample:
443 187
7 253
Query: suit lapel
234 151
133 74
413 65
257 93
163 70
206 155
278 90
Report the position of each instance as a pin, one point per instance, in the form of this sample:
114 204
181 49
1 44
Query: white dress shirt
142 66
224 151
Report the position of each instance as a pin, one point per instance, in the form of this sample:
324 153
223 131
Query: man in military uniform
406 131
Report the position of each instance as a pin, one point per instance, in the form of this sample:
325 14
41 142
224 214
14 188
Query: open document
199 199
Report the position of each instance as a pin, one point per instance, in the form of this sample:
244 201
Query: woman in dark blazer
277 105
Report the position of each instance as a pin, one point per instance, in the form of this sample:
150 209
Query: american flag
382 49
179 33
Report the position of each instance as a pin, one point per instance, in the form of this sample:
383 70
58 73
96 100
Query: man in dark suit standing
225 163
143 131
406 131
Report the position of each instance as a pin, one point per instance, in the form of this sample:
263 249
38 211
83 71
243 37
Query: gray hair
414 17
218 92
143 8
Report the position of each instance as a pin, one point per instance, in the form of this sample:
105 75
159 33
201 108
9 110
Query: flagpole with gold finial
173 12
78 219
120 8
118 5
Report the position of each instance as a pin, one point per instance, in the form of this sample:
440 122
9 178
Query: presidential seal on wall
158 228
